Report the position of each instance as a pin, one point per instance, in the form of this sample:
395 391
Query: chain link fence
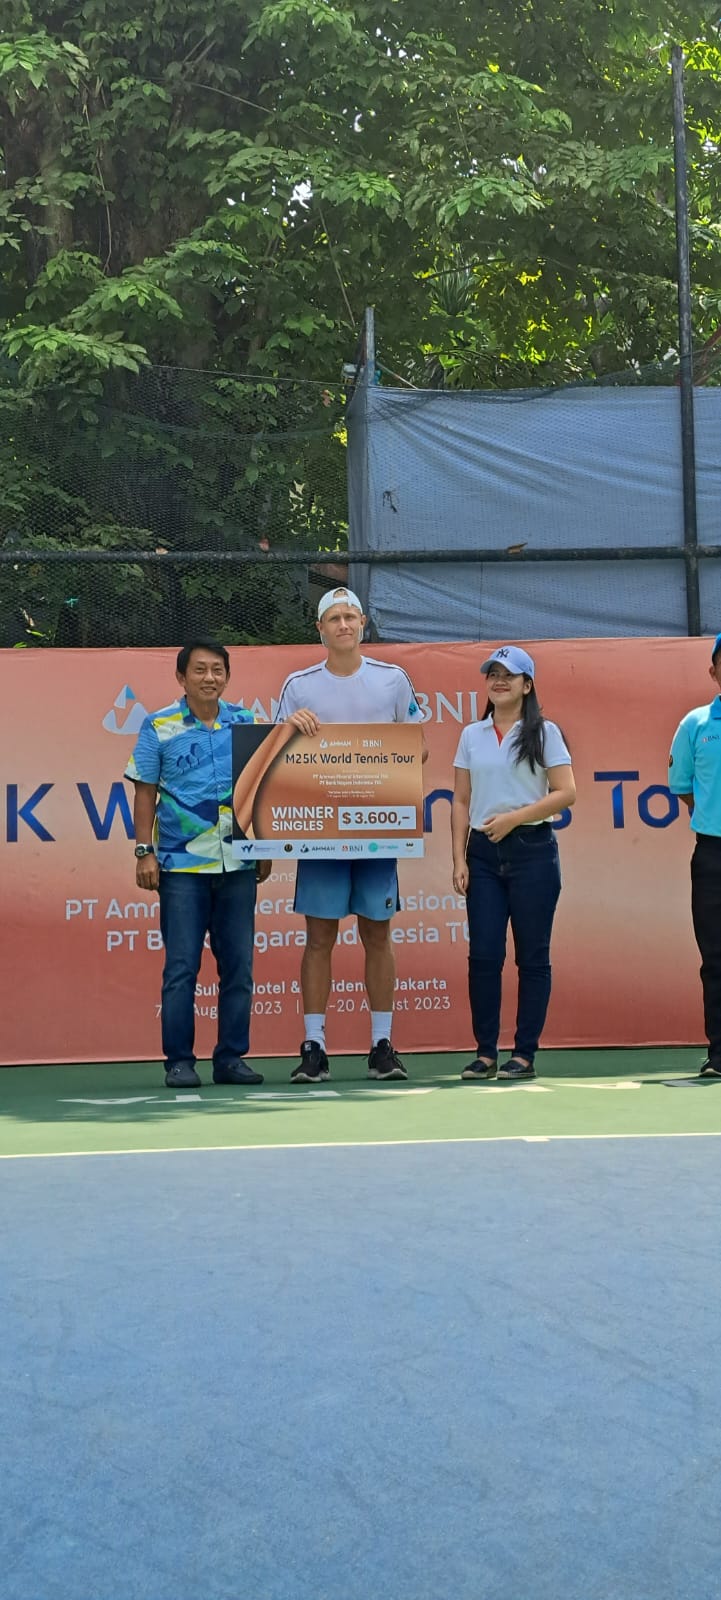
149 507
142 509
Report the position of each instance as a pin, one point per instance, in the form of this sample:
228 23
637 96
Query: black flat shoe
240 1073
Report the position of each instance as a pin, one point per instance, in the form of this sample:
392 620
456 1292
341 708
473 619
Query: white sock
381 1023
314 1023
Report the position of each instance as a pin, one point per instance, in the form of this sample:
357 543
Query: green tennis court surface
53 1110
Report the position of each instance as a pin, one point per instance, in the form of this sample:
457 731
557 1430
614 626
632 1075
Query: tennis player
347 687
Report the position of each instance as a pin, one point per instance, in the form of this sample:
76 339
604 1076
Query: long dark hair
529 740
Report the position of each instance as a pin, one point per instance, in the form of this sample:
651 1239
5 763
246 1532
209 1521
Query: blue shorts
334 889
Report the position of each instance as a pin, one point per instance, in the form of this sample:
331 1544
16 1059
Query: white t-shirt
377 692
498 782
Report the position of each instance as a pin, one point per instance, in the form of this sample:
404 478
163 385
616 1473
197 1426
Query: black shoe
313 1066
240 1072
710 1069
384 1061
515 1071
182 1077
479 1070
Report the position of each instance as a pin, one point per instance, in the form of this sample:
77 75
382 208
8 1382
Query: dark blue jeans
221 904
518 880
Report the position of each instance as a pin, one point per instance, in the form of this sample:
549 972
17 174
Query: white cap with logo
338 597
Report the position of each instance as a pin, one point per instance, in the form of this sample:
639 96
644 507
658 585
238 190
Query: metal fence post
688 452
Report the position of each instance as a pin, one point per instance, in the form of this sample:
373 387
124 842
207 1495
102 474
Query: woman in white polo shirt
512 773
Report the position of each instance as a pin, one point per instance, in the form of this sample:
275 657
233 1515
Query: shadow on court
78 1110
80 1093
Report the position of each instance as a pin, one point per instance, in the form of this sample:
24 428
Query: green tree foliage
228 188
225 188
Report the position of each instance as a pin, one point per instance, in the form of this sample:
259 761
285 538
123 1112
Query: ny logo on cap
502 652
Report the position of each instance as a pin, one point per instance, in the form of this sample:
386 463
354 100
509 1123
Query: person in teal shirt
694 774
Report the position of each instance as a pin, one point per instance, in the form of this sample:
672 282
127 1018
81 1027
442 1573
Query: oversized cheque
351 789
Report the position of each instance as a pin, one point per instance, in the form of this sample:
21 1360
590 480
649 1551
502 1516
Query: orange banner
81 950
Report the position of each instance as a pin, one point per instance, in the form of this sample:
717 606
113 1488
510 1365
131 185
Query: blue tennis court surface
484 1370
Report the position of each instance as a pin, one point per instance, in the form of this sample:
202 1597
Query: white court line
345 1144
584 1083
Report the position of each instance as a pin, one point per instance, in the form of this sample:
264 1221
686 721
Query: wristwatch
144 850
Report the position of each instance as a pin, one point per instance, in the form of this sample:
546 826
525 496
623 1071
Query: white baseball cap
338 597
513 659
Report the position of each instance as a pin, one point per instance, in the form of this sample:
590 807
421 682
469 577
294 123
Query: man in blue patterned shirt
182 771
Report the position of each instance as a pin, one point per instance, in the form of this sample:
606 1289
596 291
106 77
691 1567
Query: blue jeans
221 904
518 880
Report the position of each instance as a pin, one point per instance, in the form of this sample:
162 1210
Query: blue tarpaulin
547 470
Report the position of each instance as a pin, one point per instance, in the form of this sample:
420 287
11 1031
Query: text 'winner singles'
300 819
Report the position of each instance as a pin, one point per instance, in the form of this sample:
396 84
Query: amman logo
134 718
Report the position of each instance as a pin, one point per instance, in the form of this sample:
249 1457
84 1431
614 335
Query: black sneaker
313 1066
710 1069
183 1076
478 1071
384 1061
239 1072
515 1071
